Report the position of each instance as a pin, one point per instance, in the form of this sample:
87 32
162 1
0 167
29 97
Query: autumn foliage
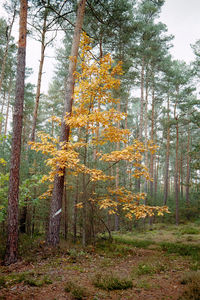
94 126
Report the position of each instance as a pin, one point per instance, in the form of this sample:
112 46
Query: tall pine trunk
188 168
166 180
56 201
176 184
12 240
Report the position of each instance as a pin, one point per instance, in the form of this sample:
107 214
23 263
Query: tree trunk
1 113
152 137
56 201
37 98
75 210
142 101
146 126
12 240
166 180
66 215
117 174
188 168
8 106
176 185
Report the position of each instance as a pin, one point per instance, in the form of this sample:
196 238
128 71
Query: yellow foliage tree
94 112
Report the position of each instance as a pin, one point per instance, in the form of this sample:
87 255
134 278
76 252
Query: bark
12 240
37 98
6 50
166 180
56 201
188 168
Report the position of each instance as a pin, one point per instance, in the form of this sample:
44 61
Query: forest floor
158 264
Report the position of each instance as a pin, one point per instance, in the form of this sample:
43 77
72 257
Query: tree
57 195
12 240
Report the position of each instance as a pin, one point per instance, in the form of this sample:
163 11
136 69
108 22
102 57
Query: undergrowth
192 289
78 292
111 282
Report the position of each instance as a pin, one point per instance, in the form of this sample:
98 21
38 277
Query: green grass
181 249
110 282
189 230
114 248
28 278
133 242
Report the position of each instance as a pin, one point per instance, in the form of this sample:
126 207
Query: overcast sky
182 18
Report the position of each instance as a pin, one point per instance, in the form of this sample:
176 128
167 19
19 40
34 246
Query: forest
100 175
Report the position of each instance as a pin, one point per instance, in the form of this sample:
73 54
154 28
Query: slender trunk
141 126
3 66
2 108
152 136
56 201
12 240
181 175
146 126
65 213
188 168
37 98
117 174
176 185
142 101
8 106
166 180
75 210
84 200
156 179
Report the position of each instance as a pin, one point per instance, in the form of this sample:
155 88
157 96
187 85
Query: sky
182 18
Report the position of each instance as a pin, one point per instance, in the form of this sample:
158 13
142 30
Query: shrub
110 282
76 290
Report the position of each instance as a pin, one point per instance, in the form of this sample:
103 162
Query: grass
189 230
192 282
181 249
133 242
165 239
77 291
28 278
110 282
114 249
